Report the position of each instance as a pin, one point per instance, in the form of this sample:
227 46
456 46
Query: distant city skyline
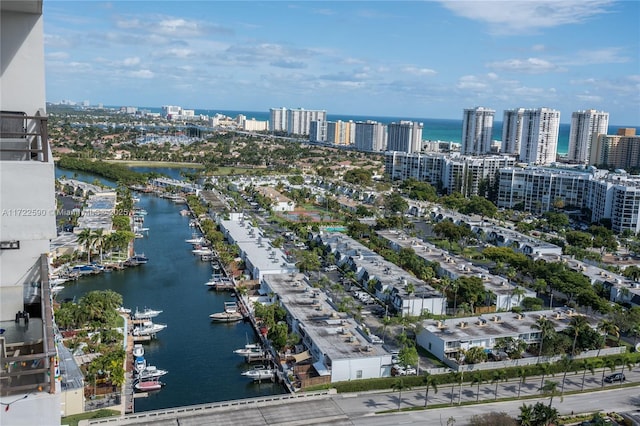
412 59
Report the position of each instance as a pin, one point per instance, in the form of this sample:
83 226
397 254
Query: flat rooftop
333 332
505 324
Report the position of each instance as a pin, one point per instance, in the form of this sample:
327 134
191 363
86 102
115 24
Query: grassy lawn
99 414
169 164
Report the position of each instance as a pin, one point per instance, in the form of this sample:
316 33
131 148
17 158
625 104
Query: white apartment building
318 131
539 144
621 151
512 131
448 339
251 124
614 196
30 387
336 346
617 197
477 131
294 121
585 126
370 136
278 119
447 172
405 136
536 188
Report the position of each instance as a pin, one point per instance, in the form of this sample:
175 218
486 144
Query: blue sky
427 59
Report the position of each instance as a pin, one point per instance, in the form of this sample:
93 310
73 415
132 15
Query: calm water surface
197 353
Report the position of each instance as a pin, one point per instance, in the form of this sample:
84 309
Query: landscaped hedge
486 375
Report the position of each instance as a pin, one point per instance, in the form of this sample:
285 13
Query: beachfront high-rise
621 151
30 390
512 131
540 128
294 121
370 136
405 136
477 131
585 126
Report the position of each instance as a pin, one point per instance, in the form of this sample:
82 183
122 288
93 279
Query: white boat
147 313
259 372
123 310
138 350
148 385
250 349
148 328
54 281
56 289
140 364
230 313
201 251
151 372
195 240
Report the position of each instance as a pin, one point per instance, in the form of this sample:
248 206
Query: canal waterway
197 353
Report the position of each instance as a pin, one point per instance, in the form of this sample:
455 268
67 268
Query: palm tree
578 324
98 240
545 369
526 415
477 380
550 388
546 328
85 239
399 386
609 363
497 377
609 328
522 374
587 364
455 378
429 381
626 362
517 292
564 363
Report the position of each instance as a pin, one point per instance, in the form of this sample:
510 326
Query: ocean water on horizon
435 129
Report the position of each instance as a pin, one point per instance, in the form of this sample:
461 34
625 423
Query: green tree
430 382
399 385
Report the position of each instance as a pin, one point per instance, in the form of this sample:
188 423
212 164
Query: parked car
615 377
410 370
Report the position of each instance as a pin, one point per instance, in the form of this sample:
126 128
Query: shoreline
159 164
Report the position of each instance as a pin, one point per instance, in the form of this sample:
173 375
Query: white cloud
470 82
57 56
538 47
128 62
610 55
141 74
419 71
528 66
525 16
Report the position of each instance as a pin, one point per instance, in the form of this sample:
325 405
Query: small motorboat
230 313
138 350
259 372
151 372
148 385
140 364
146 313
250 349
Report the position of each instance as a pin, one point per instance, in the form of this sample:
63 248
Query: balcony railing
27 346
23 137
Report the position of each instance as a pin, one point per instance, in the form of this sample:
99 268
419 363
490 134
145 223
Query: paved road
365 408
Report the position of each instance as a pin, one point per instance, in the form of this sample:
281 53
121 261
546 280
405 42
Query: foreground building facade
29 389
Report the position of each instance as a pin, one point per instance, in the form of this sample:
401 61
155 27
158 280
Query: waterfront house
337 348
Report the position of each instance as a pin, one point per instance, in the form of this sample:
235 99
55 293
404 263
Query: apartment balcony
24 137
27 346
